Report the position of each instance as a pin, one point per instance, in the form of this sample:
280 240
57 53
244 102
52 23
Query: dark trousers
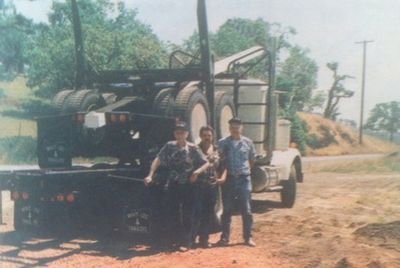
237 188
181 205
204 216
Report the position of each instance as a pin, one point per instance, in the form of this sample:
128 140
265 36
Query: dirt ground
339 220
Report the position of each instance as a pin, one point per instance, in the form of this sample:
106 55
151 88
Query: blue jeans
237 188
204 217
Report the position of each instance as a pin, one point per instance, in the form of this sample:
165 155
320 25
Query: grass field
389 163
15 91
16 127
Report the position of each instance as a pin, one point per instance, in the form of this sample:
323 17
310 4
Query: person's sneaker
185 248
222 243
250 243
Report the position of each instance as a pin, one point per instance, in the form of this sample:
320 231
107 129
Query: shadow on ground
264 206
24 249
27 249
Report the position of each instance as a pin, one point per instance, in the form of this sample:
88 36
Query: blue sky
328 28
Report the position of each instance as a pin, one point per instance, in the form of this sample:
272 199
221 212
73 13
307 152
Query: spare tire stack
71 101
59 99
84 100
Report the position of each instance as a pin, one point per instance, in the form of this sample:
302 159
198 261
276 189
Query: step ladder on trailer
228 68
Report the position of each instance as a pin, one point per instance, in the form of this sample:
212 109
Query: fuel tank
263 177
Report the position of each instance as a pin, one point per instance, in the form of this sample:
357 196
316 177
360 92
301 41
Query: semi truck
127 115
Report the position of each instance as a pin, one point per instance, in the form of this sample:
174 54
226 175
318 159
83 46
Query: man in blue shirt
237 155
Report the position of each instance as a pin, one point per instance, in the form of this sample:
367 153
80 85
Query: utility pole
364 43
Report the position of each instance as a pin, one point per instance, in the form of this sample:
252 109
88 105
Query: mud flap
44 216
137 220
54 148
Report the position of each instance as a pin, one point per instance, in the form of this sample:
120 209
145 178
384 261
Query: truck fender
283 160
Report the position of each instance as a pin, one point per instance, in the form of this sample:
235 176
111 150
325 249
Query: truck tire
59 99
288 193
83 101
163 103
224 111
109 98
191 106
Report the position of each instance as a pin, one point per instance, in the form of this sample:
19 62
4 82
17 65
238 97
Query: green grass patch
386 164
18 150
16 89
10 127
16 93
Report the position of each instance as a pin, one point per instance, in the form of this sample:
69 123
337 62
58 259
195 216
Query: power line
364 43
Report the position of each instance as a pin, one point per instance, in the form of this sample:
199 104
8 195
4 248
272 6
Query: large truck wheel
163 103
191 106
224 111
288 193
59 99
83 101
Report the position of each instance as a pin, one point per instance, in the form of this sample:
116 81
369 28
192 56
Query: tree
297 77
238 34
386 117
296 74
336 92
111 42
233 36
15 31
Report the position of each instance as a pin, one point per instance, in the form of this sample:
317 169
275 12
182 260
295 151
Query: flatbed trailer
102 198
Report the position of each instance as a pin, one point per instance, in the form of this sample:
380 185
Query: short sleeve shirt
181 162
236 155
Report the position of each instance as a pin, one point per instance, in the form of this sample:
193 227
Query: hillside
326 137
